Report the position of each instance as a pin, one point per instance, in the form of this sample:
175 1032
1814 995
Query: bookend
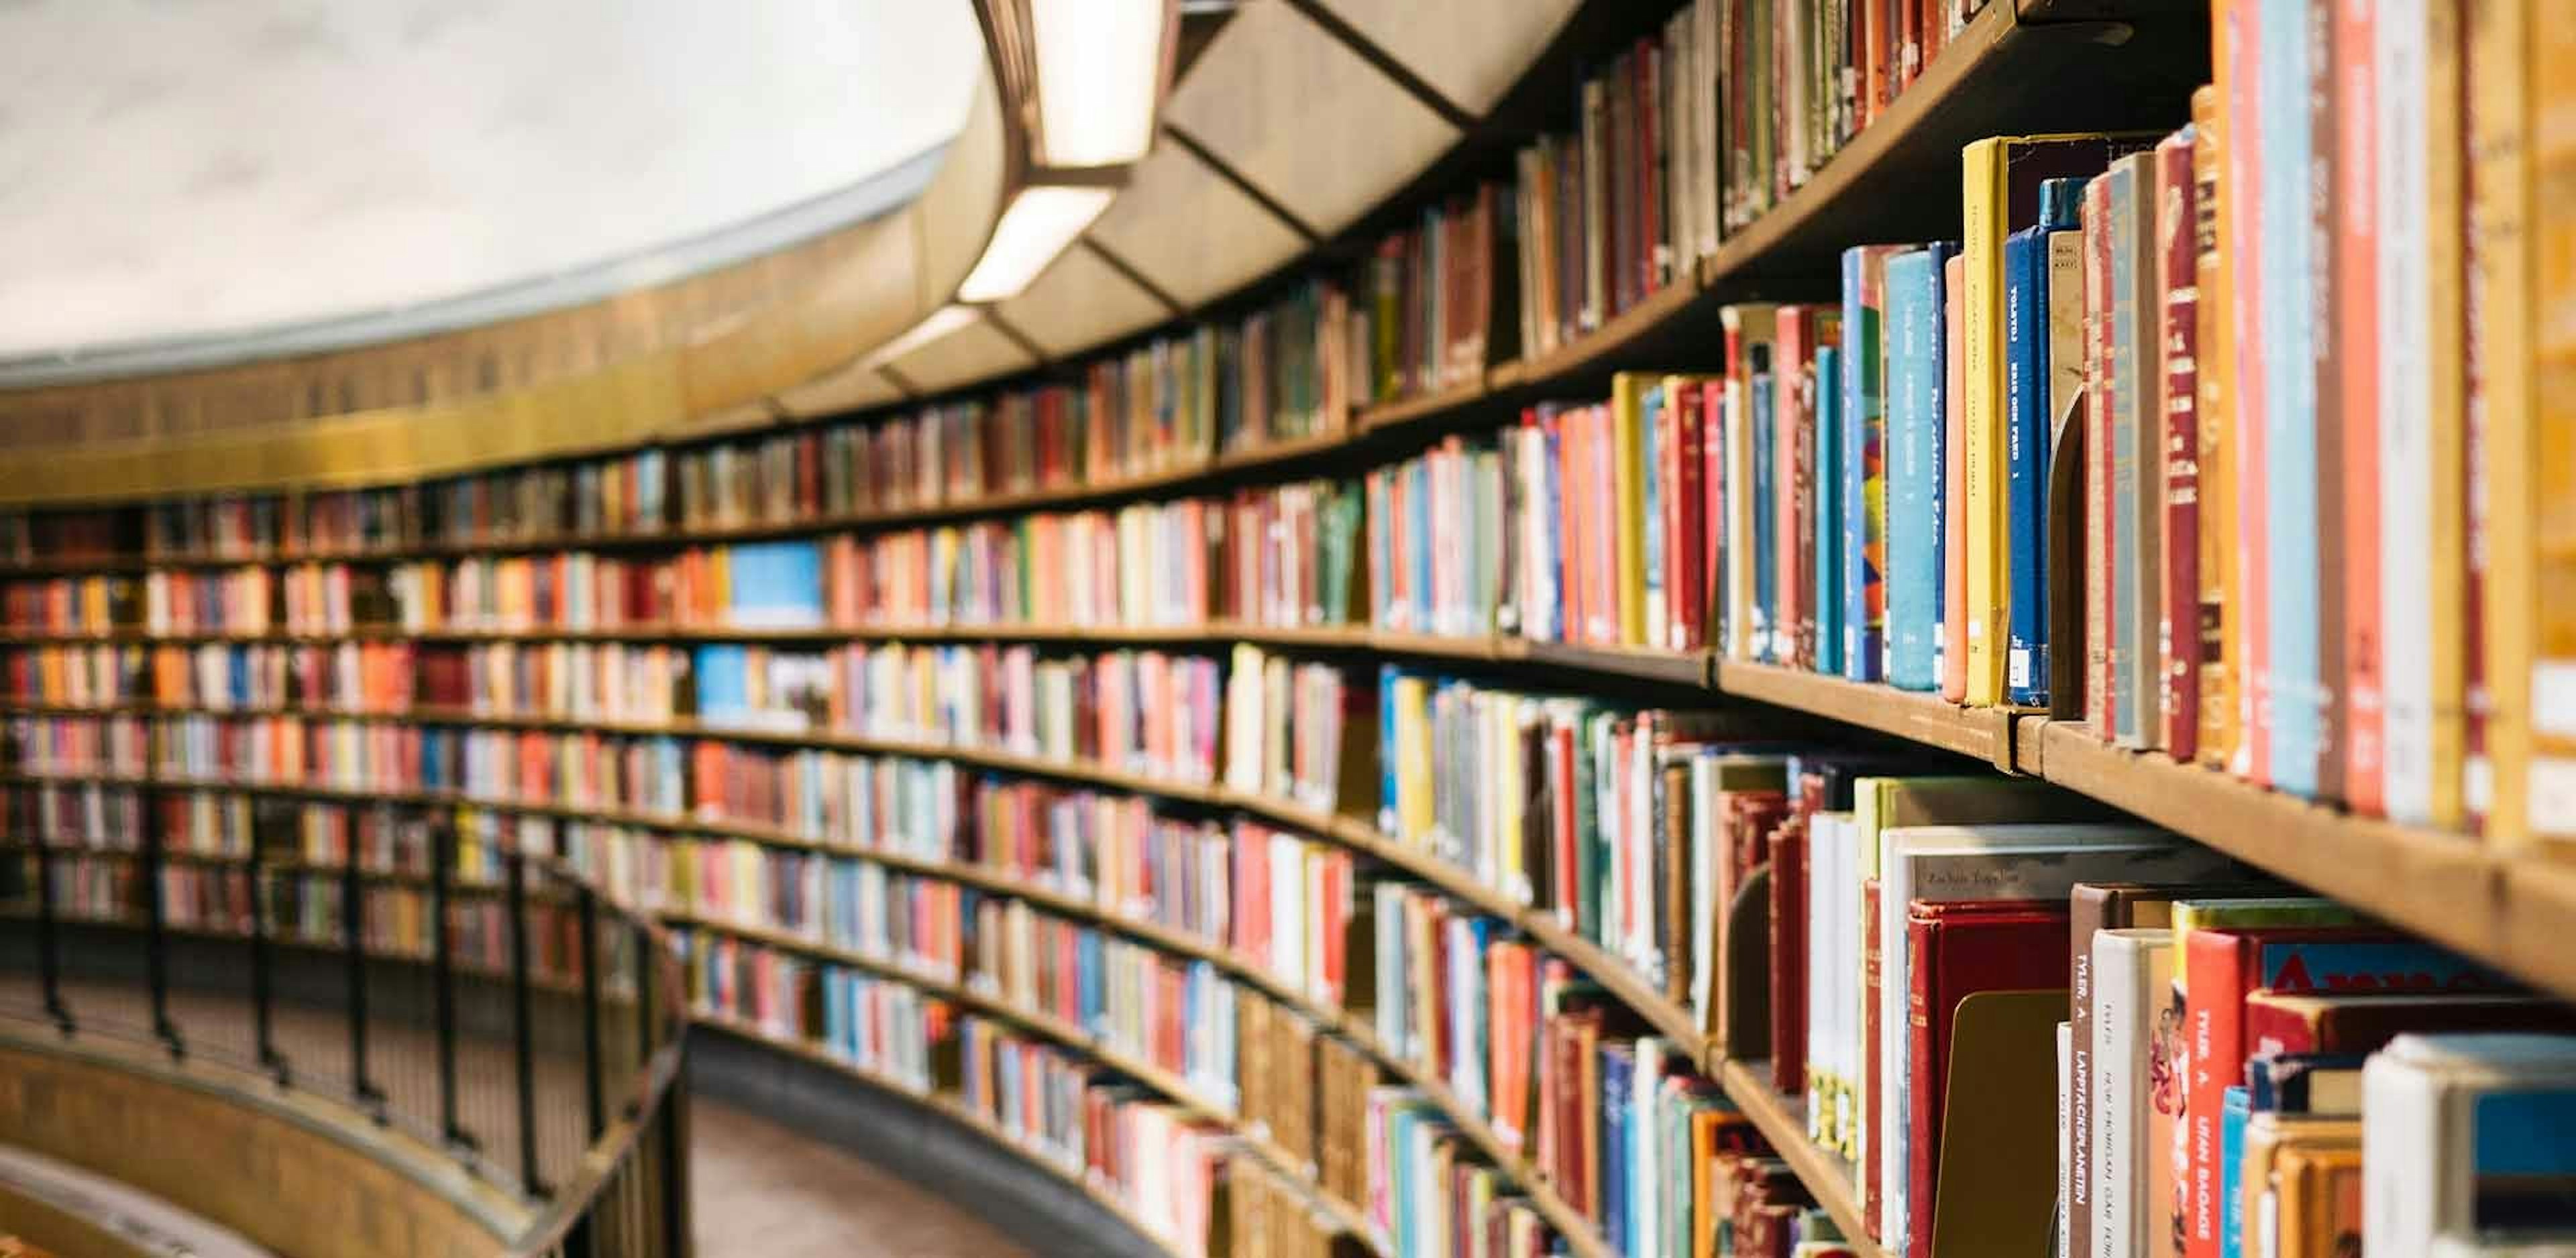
1998 1126
2066 567
1742 1007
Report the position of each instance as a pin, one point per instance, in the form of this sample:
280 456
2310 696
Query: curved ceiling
265 176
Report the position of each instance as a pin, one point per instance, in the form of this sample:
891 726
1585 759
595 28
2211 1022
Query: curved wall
229 1149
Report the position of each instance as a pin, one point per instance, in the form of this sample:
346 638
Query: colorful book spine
2295 710
1865 445
2178 611
1915 383
2355 364
2214 359
2237 55
1827 517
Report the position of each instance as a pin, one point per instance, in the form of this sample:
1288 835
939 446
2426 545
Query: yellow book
1999 176
2214 274
2445 257
1628 492
2549 782
2501 141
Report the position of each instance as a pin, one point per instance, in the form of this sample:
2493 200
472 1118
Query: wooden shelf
1982 733
1783 1121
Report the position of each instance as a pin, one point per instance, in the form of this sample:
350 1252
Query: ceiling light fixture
1039 223
939 323
1100 69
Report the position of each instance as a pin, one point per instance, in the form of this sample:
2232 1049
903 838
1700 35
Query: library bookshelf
2010 69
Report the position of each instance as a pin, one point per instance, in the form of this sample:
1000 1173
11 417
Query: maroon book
2178 259
1789 956
1956 949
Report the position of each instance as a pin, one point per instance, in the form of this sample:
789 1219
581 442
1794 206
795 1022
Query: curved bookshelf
1997 75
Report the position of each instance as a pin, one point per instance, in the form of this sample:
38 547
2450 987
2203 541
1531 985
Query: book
2131 967
1866 382
2030 332
2218 629
2458 1137
2000 186
1955 949
1916 431
2178 635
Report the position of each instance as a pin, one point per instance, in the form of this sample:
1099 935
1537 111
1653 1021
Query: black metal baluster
523 1031
353 946
49 959
262 998
442 977
156 933
593 1064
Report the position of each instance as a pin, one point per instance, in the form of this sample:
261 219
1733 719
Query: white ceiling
188 169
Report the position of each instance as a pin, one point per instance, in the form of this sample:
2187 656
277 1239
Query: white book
2131 971
2435 1106
1997 862
2403 131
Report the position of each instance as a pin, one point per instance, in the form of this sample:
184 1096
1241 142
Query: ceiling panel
1188 231
1081 301
1303 118
849 389
976 351
1470 51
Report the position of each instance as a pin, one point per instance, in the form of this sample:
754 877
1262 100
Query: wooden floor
759 1190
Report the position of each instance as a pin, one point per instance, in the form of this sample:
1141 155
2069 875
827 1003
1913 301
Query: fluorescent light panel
1099 63
1039 223
937 324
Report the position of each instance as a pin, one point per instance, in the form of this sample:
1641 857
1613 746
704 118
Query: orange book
1954 502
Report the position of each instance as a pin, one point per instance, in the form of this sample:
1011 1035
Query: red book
1789 957
1712 446
2221 967
2178 259
2278 1023
1958 948
1686 537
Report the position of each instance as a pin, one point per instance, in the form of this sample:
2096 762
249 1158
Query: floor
781 1195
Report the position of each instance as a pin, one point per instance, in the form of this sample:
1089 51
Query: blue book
776 584
1829 510
2283 201
1916 381
1618 1067
723 675
2233 1110
1766 622
1387 676
2027 420
836 1014
2285 1081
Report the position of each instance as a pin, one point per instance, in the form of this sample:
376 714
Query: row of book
311 834
309 909
1274 555
344 676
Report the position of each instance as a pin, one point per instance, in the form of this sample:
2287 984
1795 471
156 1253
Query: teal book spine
2288 264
